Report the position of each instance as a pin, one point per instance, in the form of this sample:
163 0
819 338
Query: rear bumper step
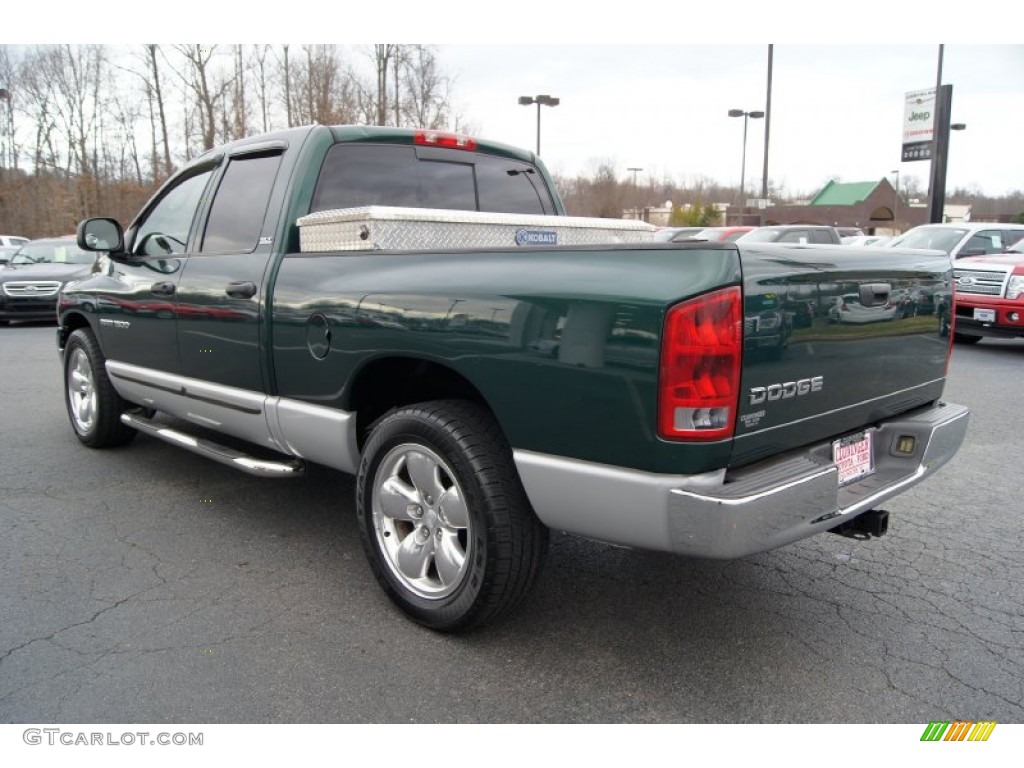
211 450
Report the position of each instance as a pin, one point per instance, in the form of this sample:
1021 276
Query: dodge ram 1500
654 395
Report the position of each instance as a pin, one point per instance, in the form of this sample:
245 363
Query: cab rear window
357 175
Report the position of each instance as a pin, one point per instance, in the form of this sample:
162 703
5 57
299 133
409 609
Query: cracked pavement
145 584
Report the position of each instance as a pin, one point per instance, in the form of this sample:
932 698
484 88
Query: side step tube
215 451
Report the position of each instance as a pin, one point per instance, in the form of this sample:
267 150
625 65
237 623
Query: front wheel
444 519
94 407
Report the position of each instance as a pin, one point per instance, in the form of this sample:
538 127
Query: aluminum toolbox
391 228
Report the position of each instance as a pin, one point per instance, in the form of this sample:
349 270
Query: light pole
756 114
540 100
767 126
940 154
636 208
940 146
895 201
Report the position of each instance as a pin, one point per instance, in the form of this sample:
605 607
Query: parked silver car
35 275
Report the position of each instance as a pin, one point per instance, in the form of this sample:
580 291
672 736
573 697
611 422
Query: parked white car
848 309
15 241
961 239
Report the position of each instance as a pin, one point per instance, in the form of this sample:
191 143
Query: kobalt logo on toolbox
786 390
536 237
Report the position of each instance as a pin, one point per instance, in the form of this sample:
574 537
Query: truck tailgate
835 339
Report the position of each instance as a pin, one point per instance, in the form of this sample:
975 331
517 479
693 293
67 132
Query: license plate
852 454
985 315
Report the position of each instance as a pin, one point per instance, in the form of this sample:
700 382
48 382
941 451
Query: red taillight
701 355
443 139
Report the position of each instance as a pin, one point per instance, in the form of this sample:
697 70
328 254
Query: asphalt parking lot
146 584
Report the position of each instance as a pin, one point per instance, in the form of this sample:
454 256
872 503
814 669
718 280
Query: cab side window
236 218
986 241
166 226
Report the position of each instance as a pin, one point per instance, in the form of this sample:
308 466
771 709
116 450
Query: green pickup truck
652 395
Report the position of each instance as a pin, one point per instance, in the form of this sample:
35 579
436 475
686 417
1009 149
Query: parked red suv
988 297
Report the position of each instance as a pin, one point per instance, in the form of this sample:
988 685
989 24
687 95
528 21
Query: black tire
965 338
94 407
457 568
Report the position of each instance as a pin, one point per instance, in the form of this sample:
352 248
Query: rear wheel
444 519
94 407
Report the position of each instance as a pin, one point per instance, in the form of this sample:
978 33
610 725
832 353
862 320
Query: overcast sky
837 110
650 85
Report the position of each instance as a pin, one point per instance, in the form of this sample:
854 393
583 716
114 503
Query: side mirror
100 235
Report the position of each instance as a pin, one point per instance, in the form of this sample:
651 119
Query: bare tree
199 79
96 136
426 88
8 76
157 95
120 150
54 97
398 64
323 90
601 194
258 65
68 84
286 75
239 107
382 54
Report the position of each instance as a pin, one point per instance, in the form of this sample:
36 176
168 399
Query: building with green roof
853 193
872 206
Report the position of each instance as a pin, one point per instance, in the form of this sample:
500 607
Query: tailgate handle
875 294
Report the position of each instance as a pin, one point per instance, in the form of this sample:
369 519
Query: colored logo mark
958 730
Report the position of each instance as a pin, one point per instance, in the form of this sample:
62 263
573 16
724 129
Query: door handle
243 289
163 289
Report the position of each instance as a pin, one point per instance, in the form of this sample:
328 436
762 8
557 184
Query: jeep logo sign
918 125
786 390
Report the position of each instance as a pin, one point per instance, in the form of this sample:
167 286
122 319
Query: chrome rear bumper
729 515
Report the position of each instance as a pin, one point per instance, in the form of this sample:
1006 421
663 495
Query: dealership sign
918 125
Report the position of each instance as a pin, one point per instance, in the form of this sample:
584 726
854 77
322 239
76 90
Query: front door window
166 227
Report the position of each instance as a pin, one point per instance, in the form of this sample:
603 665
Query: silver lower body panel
312 432
732 514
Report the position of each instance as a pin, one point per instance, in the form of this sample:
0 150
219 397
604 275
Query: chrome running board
215 451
